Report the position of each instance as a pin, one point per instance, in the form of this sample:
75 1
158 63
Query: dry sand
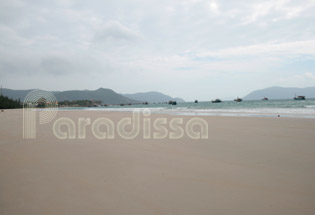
247 166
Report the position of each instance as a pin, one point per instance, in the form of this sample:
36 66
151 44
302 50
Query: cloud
305 79
56 66
265 49
10 37
220 46
115 31
309 75
276 10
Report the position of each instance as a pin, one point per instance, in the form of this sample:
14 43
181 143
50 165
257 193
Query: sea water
259 108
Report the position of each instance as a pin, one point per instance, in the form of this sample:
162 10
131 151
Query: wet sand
247 165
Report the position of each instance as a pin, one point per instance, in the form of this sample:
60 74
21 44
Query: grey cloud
114 30
119 43
56 66
52 66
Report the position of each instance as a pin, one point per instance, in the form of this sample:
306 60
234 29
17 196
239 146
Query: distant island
152 97
281 93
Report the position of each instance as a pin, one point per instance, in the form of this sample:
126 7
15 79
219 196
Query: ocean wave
261 112
309 106
300 111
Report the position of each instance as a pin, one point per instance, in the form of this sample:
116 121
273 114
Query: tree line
7 103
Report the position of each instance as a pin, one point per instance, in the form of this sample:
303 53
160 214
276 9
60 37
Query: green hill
107 96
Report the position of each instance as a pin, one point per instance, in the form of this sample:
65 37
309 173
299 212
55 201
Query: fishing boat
238 99
172 103
216 101
265 99
299 98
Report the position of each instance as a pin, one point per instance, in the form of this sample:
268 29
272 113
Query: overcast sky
192 49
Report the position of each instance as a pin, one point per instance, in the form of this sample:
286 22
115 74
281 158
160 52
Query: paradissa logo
33 100
130 127
104 128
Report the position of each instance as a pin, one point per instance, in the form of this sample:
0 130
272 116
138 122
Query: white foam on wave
262 112
124 109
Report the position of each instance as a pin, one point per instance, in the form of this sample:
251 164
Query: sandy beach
248 165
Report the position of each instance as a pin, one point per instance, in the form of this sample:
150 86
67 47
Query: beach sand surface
248 165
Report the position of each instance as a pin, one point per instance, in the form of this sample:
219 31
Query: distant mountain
281 93
152 97
107 96
15 94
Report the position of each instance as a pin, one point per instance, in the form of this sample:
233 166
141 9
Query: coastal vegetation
7 103
80 103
